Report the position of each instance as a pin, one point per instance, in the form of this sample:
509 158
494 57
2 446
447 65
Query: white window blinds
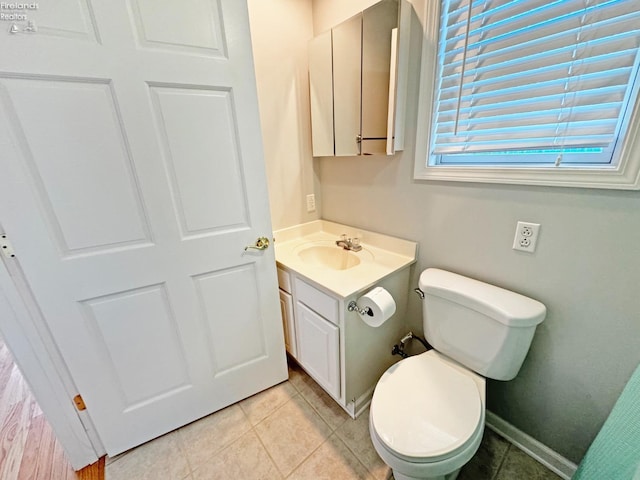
521 76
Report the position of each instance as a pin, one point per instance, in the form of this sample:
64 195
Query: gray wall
586 270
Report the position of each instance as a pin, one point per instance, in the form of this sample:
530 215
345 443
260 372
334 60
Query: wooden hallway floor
28 447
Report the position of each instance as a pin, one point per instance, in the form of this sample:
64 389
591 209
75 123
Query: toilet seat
425 409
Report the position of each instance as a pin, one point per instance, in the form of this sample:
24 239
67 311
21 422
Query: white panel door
132 179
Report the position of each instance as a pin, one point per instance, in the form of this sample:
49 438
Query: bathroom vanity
318 280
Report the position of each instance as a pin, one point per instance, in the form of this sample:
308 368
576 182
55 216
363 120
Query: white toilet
427 412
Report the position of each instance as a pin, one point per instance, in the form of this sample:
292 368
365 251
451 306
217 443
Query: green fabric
615 453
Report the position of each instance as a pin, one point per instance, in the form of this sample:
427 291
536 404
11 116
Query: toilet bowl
427 411
427 417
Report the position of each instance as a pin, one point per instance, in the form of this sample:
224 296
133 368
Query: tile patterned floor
294 431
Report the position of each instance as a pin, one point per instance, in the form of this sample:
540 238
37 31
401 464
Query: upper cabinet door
358 75
347 60
378 23
321 94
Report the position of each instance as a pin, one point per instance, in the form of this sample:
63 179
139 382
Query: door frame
34 351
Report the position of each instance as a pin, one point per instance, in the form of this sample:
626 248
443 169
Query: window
532 91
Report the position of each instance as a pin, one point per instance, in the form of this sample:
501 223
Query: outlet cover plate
311 203
526 236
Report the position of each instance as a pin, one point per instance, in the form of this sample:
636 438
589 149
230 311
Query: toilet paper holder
353 306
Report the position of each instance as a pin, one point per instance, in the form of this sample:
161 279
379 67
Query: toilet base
447 469
449 476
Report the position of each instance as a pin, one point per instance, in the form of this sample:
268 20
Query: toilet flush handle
419 292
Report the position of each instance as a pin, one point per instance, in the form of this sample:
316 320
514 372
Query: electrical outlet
311 203
526 236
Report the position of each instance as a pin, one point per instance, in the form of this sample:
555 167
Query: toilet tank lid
507 307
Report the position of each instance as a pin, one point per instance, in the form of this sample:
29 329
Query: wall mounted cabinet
357 77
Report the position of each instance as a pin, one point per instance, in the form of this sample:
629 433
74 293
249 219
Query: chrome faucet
352 244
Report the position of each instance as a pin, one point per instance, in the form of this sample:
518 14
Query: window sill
565 176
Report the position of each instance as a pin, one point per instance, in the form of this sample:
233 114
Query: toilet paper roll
381 306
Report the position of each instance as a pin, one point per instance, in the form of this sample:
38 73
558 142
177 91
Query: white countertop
380 256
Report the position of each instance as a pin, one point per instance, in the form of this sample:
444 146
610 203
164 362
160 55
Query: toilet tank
486 328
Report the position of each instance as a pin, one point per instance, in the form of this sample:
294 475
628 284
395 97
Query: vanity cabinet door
286 307
319 348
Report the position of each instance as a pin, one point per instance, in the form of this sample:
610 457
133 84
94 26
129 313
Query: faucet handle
343 237
355 241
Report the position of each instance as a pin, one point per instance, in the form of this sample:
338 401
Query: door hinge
79 402
5 246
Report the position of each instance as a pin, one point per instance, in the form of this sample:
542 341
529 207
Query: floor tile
203 438
244 459
292 437
261 405
485 463
292 433
321 401
355 434
518 464
159 458
331 461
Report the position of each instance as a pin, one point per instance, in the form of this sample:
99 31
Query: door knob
261 244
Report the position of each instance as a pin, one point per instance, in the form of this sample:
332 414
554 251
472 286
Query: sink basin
330 256
309 250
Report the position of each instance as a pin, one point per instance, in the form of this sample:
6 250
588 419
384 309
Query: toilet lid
424 408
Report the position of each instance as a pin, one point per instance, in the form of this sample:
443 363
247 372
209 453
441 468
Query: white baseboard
358 405
532 447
